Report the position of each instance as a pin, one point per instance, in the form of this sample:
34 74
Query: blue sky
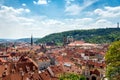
21 18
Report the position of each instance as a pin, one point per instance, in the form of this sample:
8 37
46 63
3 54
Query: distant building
68 39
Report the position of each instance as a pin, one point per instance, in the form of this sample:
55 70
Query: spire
118 25
31 40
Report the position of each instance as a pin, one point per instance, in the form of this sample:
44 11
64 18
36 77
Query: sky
23 18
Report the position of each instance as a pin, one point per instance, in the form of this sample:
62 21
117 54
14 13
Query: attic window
46 74
101 66
4 74
5 68
13 71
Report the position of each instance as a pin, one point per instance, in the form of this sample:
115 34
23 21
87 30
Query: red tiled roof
45 75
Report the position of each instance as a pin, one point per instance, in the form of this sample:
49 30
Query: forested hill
106 35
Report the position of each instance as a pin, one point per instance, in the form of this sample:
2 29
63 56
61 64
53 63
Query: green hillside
106 35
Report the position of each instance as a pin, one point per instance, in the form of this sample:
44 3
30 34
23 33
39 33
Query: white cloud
87 23
34 2
27 10
14 25
52 22
41 2
75 9
23 4
108 12
68 2
87 3
104 23
82 21
10 10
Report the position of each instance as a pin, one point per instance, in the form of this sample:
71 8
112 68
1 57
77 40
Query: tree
107 35
112 58
71 76
82 77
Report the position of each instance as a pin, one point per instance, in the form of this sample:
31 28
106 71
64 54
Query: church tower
118 25
31 40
